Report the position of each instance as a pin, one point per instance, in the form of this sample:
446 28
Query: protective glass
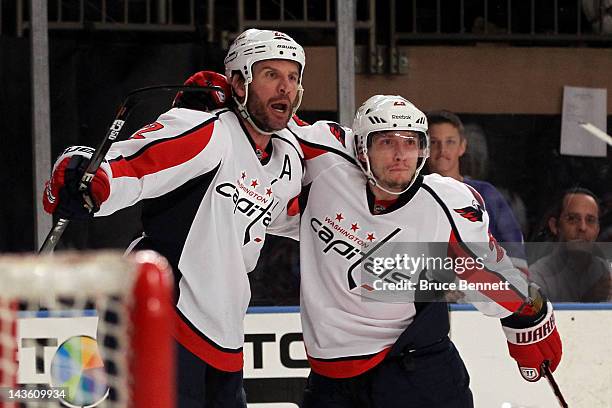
412 143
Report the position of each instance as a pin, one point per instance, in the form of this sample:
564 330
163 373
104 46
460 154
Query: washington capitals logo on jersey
256 206
473 213
338 132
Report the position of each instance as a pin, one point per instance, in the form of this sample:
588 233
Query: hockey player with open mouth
369 349
214 184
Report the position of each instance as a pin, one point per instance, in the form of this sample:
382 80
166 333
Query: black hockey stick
132 99
553 384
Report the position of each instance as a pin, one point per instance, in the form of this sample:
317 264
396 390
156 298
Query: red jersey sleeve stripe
164 153
310 152
508 299
293 207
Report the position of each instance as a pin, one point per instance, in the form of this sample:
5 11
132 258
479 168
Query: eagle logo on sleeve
337 131
473 213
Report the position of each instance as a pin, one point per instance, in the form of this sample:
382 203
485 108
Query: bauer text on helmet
390 128
255 45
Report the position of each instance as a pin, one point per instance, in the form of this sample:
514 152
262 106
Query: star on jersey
354 227
339 217
257 206
366 257
255 183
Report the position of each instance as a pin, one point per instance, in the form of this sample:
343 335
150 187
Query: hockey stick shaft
598 133
554 385
58 229
98 157
111 136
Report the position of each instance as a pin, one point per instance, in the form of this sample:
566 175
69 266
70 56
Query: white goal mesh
86 329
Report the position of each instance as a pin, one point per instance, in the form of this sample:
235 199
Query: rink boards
275 359
276 369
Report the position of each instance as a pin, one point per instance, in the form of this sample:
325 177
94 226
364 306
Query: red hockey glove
204 101
533 338
62 196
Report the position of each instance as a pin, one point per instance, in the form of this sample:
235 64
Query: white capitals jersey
208 203
345 332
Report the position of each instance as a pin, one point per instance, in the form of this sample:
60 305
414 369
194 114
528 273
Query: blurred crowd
568 253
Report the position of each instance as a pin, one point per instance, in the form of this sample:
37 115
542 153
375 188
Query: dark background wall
90 74
16 210
475 78
89 77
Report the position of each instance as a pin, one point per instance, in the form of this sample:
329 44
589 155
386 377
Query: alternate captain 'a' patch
473 213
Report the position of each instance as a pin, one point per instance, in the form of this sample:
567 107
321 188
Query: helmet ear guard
253 46
388 113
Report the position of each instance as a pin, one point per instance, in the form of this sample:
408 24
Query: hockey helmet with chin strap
388 113
255 45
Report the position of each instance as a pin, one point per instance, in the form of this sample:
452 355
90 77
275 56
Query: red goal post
47 306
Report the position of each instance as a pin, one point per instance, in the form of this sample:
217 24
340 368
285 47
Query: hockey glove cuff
533 339
62 196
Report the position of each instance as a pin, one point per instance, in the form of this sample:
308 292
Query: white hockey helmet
255 45
384 113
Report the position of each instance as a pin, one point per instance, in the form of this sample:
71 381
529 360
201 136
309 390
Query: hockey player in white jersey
213 184
369 349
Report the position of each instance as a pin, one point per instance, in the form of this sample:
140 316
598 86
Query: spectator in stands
448 144
475 164
605 221
576 270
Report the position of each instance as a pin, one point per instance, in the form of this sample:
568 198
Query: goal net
86 329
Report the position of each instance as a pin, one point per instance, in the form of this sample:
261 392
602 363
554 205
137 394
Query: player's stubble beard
257 110
394 184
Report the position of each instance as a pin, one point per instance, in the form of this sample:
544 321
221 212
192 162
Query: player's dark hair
443 116
241 76
557 208
236 72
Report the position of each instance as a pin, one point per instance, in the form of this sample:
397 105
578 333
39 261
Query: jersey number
149 128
